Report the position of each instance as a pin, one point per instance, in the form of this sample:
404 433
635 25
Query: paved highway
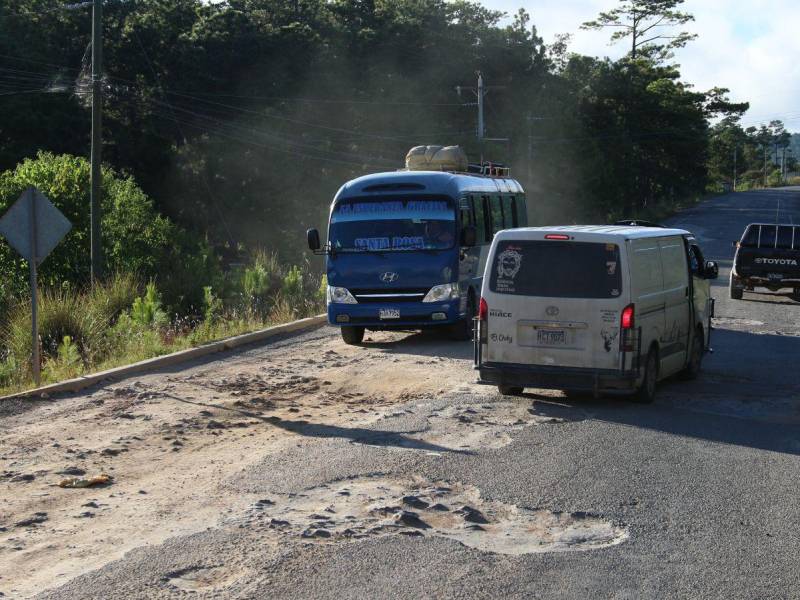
442 488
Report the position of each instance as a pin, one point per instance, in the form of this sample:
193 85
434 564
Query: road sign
33 227
51 225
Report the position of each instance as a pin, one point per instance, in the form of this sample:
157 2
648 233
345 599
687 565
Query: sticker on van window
615 292
611 267
508 263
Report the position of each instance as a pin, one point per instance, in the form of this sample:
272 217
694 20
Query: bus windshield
393 225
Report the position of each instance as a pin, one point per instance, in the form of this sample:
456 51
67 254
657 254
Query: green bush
146 310
292 288
109 299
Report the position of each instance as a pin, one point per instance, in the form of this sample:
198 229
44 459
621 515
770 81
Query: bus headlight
340 295
440 293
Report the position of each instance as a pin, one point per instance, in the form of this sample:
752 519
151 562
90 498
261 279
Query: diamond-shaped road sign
49 224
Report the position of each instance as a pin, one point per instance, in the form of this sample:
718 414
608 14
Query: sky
751 47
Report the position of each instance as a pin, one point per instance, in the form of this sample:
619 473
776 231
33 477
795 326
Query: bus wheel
353 335
462 331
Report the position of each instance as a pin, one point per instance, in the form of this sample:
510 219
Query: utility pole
481 92
97 140
735 156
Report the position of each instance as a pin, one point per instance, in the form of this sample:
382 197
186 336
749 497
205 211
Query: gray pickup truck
767 256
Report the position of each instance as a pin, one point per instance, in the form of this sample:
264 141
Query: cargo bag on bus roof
436 158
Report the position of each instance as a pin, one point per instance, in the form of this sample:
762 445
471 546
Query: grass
119 323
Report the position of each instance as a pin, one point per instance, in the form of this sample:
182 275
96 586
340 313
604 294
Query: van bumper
558 378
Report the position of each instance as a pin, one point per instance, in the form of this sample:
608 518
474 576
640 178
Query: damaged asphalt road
305 468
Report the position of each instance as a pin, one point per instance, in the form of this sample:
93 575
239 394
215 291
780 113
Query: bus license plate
775 277
389 313
551 337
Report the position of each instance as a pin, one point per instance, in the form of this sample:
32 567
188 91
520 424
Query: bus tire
462 330
352 335
647 390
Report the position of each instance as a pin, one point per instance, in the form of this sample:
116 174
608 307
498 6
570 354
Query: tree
642 21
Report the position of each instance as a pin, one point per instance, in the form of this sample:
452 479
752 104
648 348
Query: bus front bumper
401 315
558 378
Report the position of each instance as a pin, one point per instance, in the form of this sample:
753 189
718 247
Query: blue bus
406 250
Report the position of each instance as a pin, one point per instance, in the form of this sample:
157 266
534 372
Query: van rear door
555 302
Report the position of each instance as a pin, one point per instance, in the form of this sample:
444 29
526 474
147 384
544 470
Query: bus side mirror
312 235
469 236
711 270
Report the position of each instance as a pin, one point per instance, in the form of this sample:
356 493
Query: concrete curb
151 364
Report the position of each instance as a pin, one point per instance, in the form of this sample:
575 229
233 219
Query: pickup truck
767 256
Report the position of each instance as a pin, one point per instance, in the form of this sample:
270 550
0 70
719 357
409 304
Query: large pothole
371 507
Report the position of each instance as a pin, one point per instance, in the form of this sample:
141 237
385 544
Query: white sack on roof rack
436 158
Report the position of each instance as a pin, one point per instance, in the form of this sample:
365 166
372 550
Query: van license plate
551 337
389 313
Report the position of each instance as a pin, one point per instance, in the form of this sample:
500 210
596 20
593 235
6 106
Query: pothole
201 579
465 427
372 507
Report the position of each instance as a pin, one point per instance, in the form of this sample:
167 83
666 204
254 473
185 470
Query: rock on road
306 468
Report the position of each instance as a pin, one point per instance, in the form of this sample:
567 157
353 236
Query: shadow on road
360 435
426 343
748 395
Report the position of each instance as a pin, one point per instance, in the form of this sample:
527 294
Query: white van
593 308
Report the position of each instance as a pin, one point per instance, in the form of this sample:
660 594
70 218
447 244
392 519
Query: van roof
599 231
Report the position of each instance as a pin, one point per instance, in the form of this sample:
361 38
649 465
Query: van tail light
483 310
628 326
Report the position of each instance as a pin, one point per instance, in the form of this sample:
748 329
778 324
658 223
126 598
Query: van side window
497 214
480 220
646 274
521 211
509 222
673 261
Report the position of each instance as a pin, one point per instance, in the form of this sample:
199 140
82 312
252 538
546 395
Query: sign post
34 227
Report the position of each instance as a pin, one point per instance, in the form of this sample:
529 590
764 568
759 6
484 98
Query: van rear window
555 269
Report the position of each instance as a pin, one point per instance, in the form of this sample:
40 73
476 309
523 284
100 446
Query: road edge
80 383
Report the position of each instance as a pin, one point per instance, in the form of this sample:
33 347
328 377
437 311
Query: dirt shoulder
169 440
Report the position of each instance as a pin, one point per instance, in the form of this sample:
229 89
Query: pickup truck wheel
510 390
352 335
692 370
736 292
647 390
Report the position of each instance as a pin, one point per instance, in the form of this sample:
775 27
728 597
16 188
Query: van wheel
736 292
692 369
510 390
353 335
462 331
647 391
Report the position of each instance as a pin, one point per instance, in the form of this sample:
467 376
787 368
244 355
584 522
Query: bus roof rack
489 168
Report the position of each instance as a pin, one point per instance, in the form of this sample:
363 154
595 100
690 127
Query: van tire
647 390
736 292
510 390
462 331
692 370
352 336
